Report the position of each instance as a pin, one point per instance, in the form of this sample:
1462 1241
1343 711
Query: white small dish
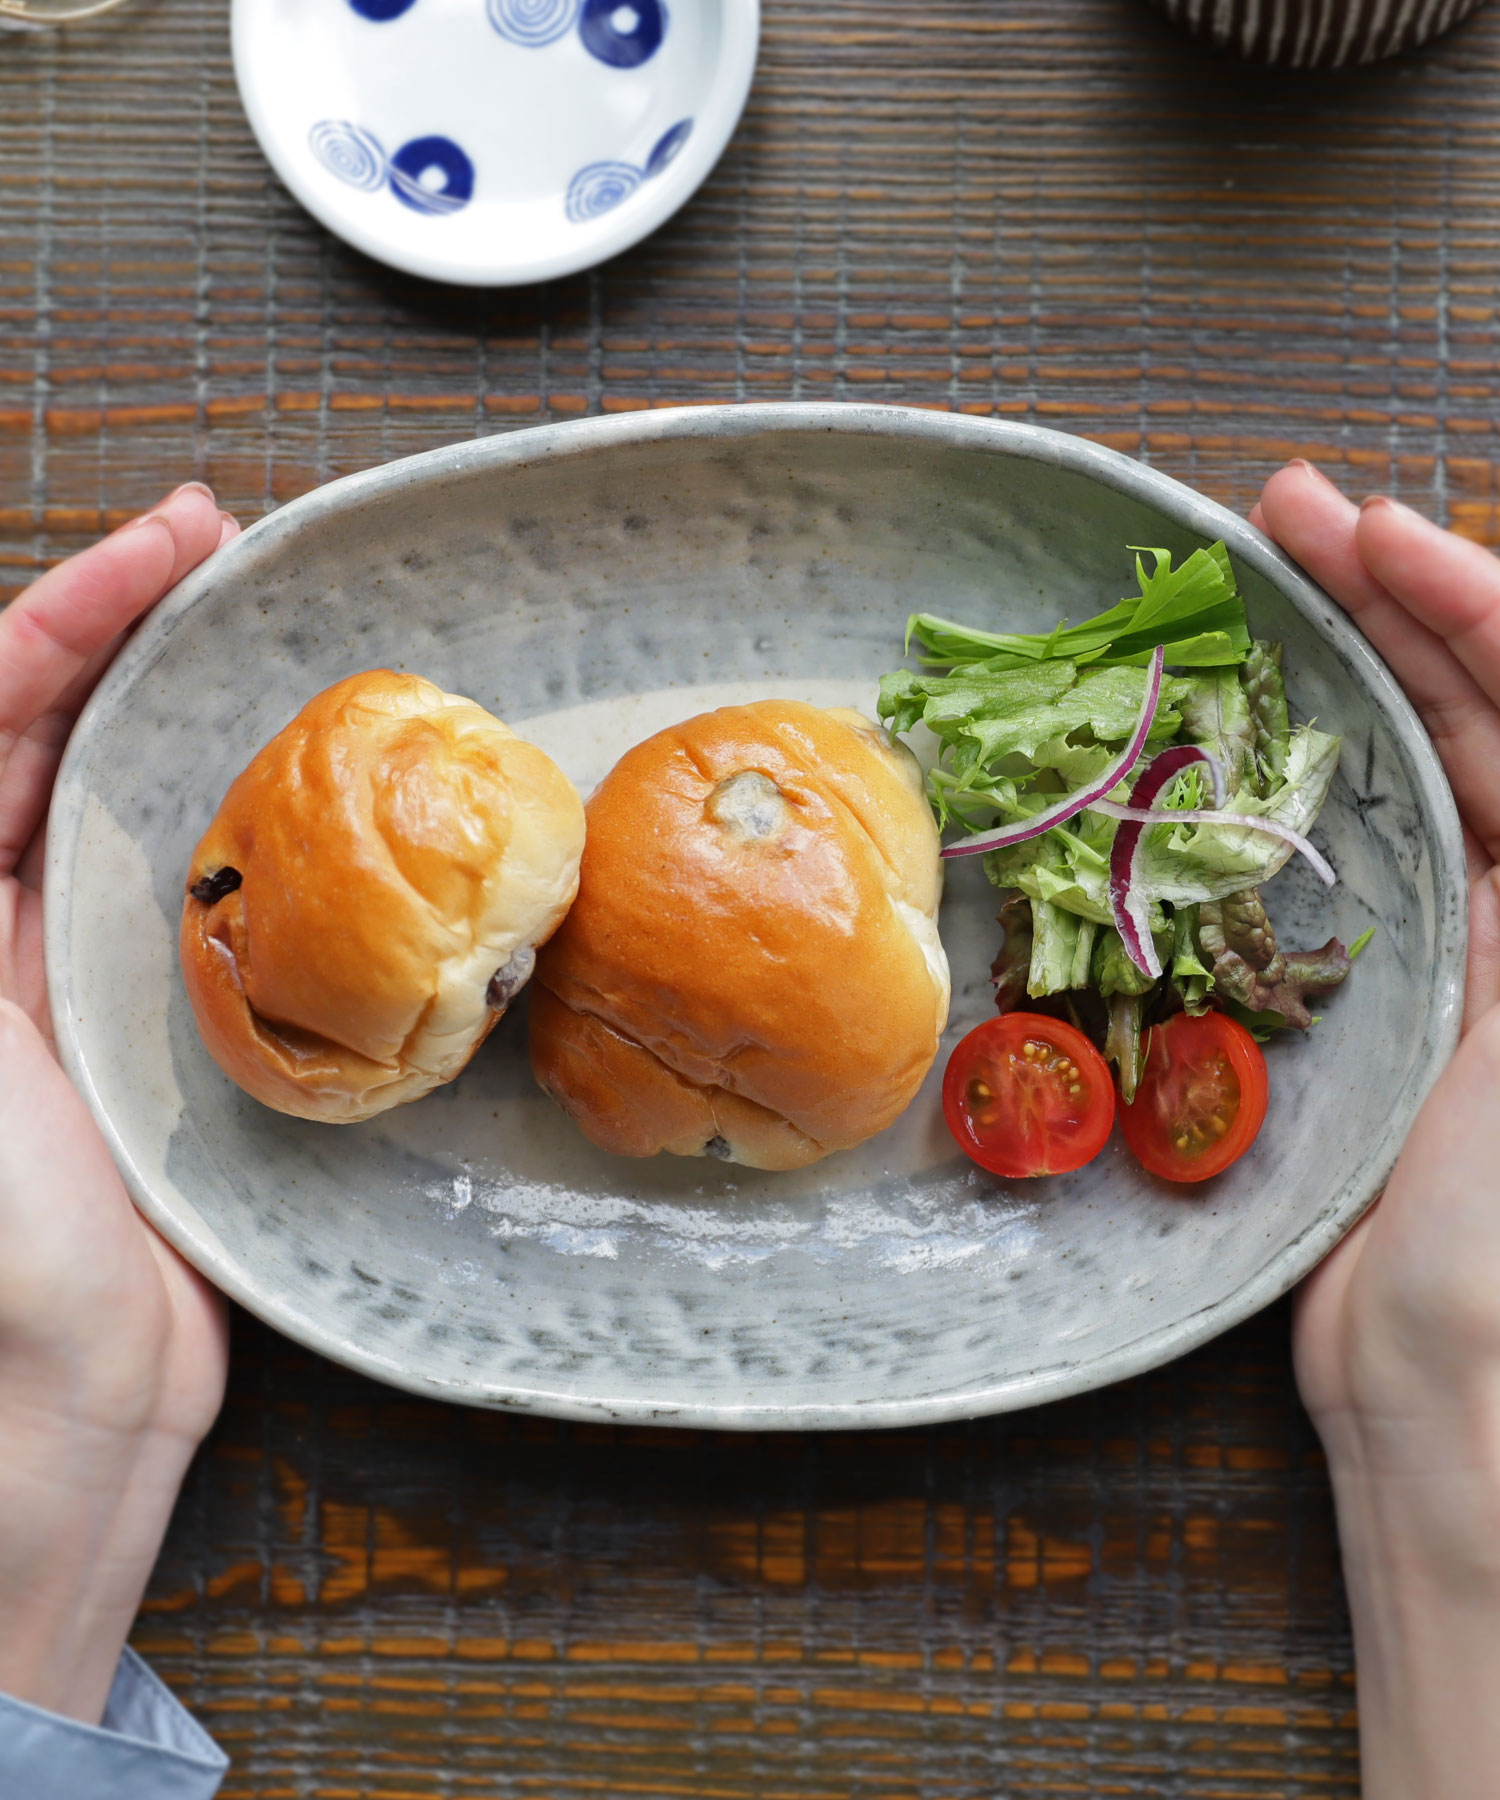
493 142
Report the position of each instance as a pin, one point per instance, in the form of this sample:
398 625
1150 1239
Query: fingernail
1386 500
159 511
1310 468
228 517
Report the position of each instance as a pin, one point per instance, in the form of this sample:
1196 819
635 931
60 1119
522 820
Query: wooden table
1046 209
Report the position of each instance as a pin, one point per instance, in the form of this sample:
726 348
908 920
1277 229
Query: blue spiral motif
414 167
533 22
667 146
379 12
349 152
600 188
623 33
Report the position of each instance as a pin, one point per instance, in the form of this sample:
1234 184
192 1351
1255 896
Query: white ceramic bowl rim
714 124
542 444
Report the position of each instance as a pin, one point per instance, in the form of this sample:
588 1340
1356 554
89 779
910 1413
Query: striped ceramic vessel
1323 34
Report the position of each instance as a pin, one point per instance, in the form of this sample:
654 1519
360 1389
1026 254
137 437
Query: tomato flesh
1027 1095
1201 1100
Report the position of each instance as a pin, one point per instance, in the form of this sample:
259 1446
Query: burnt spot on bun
510 978
212 888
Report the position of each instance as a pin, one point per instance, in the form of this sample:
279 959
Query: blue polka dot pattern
623 33
667 146
533 22
600 188
432 175
380 11
349 152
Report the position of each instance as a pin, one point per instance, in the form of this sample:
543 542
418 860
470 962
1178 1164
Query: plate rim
530 446
724 105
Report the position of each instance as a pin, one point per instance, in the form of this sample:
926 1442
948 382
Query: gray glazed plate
591 582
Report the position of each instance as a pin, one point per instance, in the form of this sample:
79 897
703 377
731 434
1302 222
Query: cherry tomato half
1201 1099
1028 1095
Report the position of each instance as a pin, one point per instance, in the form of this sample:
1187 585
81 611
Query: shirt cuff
146 1747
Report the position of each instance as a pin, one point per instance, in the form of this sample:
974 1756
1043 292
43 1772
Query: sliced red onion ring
1132 918
1129 909
1024 829
1246 821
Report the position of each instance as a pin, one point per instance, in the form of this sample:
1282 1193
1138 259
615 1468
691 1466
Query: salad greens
1194 610
1023 720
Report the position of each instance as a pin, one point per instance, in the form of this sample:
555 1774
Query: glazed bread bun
752 968
371 895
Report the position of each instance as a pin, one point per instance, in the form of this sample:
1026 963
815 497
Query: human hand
112 1351
1397 1335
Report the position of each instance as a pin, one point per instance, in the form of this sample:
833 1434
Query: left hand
1397 1335
112 1350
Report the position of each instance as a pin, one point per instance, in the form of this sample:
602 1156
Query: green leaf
1062 946
1216 716
1265 694
1114 972
1195 610
1260 1025
1185 864
1190 974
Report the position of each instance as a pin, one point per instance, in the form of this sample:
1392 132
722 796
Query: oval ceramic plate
590 583
492 142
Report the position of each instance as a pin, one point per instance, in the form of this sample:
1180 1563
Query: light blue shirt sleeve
146 1747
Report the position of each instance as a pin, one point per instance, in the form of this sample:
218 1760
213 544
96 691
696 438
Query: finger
50 1148
28 773
1447 584
1316 525
48 635
26 780
1482 993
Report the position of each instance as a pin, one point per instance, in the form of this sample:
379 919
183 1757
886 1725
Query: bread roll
752 968
371 894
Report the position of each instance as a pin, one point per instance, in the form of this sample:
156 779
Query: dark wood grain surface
1045 209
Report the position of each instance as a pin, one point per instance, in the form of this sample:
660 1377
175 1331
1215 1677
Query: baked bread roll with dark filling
752 968
371 896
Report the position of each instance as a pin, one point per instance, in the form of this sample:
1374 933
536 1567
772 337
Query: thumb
67 1227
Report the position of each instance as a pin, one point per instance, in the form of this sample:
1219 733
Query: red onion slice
1130 911
1132 917
1003 836
1246 821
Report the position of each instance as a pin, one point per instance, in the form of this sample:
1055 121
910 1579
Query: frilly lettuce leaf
984 718
1186 864
1062 945
1255 973
1265 694
1191 975
1067 867
1216 716
1182 864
